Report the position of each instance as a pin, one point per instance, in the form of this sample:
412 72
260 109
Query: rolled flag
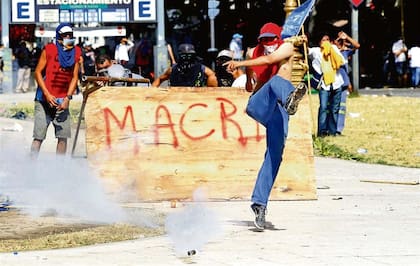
296 19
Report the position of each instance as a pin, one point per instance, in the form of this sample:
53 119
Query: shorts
44 115
401 68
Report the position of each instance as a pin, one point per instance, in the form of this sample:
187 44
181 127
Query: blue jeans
329 105
415 76
341 118
266 107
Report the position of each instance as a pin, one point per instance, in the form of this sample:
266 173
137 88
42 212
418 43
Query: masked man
188 71
274 98
57 77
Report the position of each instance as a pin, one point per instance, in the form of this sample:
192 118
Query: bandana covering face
65 53
268 49
186 62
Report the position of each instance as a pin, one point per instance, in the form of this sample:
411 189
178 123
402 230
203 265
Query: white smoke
192 227
62 186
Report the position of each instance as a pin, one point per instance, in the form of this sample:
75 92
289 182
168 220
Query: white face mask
268 49
68 43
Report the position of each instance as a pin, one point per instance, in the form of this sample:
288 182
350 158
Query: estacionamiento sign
82 11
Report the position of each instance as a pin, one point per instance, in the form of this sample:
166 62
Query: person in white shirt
240 79
399 49
414 57
122 50
236 46
326 61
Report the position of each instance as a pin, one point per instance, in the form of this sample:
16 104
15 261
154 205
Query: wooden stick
392 182
112 79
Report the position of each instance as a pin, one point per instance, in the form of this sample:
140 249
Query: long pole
212 48
355 57
402 20
161 51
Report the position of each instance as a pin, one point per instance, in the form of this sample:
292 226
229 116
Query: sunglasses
267 39
66 35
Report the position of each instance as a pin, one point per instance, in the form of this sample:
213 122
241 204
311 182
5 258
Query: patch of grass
22 232
89 236
385 127
323 148
9 110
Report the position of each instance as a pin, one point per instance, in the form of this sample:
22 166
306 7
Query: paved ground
351 223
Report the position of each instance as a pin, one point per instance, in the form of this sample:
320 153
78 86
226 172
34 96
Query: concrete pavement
351 223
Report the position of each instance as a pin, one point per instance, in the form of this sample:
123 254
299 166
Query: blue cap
237 35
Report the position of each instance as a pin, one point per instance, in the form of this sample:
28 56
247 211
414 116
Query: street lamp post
289 6
299 65
401 3
161 52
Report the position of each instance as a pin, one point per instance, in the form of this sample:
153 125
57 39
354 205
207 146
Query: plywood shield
165 143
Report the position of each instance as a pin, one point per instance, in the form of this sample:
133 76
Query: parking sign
23 10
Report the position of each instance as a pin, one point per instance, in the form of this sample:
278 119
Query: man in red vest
274 98
59 62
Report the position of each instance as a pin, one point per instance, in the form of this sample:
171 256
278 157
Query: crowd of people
402 65
265 73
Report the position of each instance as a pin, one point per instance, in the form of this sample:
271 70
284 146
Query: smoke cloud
62 186
192 227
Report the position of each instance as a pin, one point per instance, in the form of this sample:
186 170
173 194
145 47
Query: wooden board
165 143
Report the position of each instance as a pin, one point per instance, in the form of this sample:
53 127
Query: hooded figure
188 71
65 44
268 41
57 75
224 77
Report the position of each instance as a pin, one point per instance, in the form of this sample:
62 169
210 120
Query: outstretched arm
283 52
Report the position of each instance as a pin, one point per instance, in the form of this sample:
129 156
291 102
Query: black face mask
224 78
186 62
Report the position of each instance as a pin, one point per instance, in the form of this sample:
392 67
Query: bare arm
211 77
354 43
42 63
130 45
250 79
72 85
171 54
82 67
163 77
283 52
250 75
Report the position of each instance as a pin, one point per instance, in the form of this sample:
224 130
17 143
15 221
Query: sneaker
259 211
295 97
4 203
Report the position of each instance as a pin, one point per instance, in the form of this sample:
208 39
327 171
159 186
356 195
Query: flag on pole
295 20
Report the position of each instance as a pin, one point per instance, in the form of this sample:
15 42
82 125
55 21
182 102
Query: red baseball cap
270 29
